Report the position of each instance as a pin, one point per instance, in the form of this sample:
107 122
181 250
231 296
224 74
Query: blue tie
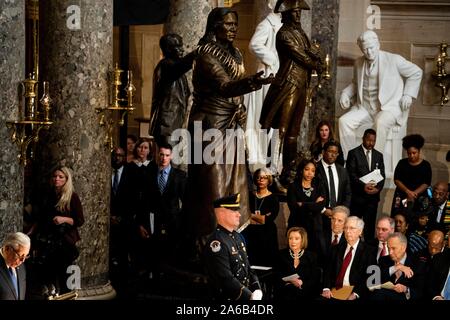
115 185
161 181
14 280
446 291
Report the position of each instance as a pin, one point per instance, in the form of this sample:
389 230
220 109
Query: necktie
335 240
115 182
13 276
383 250
332 188
446 291
368 158
161 181
345 263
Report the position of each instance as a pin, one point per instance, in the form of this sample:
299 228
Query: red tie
340 277
335 240
383 250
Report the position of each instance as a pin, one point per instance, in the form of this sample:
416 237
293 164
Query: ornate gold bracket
317 79
440 75
26 129
118 107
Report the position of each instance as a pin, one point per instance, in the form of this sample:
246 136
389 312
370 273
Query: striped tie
161 181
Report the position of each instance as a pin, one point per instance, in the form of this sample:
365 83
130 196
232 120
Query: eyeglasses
262 178
21 258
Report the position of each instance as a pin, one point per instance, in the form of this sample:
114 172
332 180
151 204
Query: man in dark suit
385 227
440 216
337 185
163 224
349 262
334 236
438 281
406 272
13 253
365 196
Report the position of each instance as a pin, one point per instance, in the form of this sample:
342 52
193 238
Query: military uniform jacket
228 266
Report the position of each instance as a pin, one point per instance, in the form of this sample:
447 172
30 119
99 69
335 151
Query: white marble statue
385 85
262 45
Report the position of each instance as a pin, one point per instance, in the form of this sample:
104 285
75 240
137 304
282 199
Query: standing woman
261 234
59 223
324 133
412 175
306 200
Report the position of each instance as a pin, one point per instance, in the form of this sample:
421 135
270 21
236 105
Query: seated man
384 84
226 256
406 273
349 262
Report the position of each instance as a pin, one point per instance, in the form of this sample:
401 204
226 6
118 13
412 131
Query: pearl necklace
296 256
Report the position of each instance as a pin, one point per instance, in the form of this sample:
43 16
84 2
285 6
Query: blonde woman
58 223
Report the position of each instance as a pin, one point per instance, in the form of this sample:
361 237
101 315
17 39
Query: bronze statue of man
170 89
285 102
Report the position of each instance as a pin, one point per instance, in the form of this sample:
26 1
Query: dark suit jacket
7 291
416 283
363 257
119 199
437 273
439 225
344 194
167 206
326 246
358 167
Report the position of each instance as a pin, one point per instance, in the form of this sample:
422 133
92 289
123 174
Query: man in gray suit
13 253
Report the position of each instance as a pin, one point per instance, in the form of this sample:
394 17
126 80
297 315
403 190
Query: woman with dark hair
261 234
306 200
131 142
298 267
412 175
324 133
219 84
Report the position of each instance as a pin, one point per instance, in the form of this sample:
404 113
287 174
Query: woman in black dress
261 235
412 175
306 200
300 265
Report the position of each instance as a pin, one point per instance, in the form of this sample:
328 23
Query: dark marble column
12 69
77 51
188 19
325 28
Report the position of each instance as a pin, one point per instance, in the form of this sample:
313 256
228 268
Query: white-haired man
13 252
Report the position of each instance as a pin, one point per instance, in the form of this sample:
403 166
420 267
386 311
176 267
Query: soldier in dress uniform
226 256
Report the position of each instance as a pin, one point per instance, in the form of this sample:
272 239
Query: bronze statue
219 84
285 102
170 89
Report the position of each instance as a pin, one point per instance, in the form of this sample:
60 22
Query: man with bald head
385 85
440 217
435 242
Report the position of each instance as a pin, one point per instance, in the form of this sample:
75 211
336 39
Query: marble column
188 19
325 29
77 53
12 69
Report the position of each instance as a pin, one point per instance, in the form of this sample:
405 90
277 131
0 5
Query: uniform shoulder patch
215 246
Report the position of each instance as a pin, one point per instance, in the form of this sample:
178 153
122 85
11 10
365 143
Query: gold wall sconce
318 79
114 115
25 130
440 75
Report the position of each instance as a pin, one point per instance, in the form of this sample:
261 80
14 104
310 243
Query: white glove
256 295
405 102
344 101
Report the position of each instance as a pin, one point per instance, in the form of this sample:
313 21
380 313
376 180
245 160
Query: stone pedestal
76 55
12 69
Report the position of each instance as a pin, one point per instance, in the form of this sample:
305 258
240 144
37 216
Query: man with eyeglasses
13 252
